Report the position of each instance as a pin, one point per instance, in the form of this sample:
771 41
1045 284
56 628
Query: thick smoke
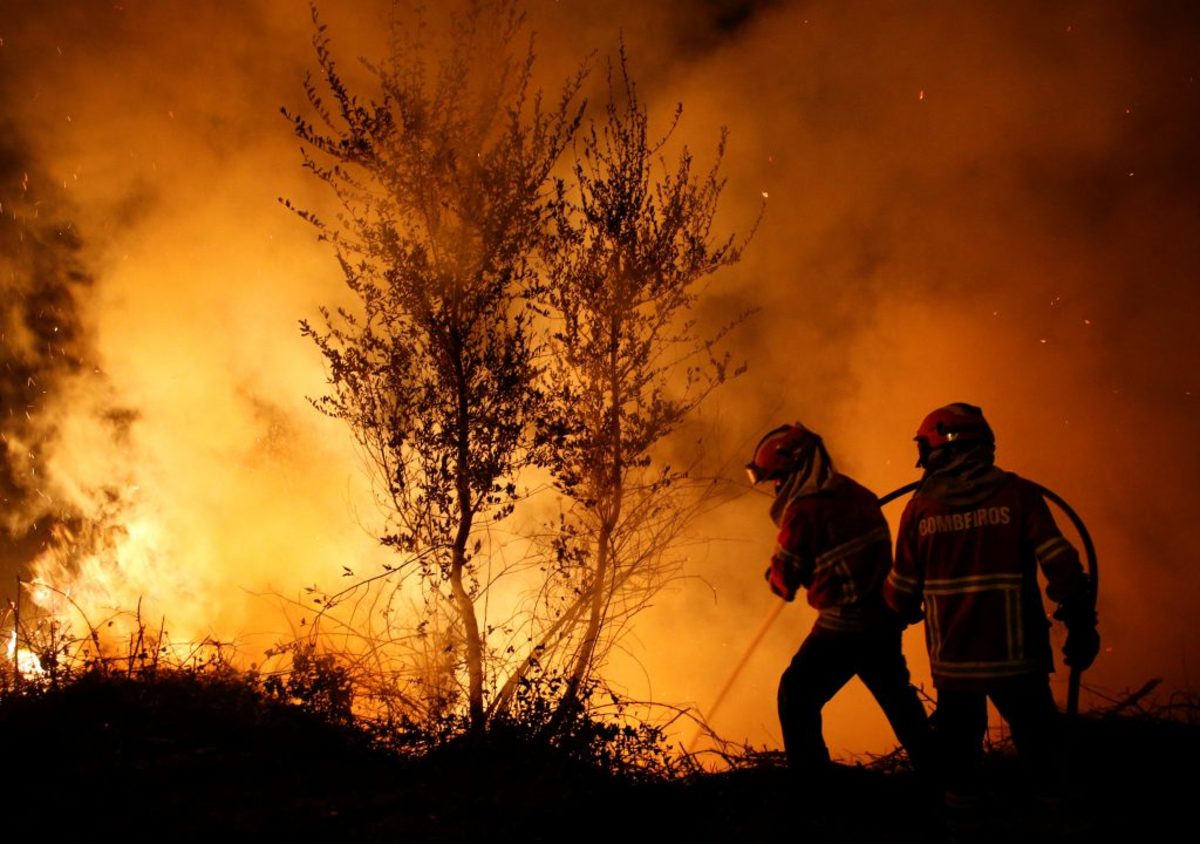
994 203
39 278
159 132
47 353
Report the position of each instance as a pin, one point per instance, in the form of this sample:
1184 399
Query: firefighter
968 551
835 543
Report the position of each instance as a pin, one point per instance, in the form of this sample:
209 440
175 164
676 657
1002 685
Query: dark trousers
826 662
1027 704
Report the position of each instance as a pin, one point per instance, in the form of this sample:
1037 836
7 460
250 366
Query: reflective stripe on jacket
974 571
837 545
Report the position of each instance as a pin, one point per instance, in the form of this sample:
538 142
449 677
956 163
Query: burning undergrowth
80 532
59 525
48 663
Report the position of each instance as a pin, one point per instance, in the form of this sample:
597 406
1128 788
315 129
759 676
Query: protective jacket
968 553
834 542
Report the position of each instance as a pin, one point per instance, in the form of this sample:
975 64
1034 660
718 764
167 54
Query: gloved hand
778 583
1083 639
1081 647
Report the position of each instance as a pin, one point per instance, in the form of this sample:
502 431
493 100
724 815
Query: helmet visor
755 473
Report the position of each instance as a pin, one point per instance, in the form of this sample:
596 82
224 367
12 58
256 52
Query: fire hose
1076 674
1093 570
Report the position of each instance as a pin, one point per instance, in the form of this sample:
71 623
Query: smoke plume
993 203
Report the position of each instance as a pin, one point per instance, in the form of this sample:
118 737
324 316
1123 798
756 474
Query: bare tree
633 243
441 185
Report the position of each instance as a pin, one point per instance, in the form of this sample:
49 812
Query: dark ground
182 759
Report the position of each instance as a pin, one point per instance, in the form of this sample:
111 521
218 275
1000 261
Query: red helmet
955 423
776 454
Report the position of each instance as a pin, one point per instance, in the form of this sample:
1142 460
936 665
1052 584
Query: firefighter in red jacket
970 544
835 543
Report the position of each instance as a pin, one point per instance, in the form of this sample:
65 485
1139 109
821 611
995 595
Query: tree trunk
466 612
611 488
458 560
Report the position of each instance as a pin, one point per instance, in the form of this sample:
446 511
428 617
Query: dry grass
201 749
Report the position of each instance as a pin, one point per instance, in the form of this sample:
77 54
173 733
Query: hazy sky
990 202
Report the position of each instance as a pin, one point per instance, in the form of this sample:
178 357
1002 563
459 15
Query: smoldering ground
991 203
